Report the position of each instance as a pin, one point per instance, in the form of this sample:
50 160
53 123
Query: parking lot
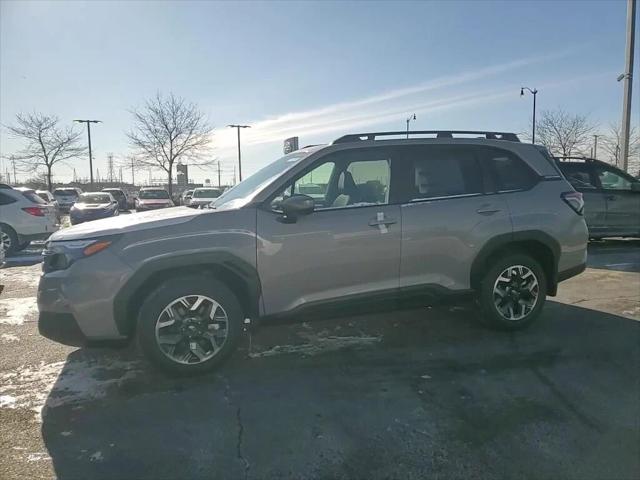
427 393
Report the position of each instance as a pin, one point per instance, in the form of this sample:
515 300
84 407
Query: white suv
24 217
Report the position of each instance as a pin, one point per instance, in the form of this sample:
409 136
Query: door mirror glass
297 205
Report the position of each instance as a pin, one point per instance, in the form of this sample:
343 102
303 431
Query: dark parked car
611 196
92 206
120 197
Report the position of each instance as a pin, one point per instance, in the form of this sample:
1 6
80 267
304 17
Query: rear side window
6 199
33 197
509 171
443 171
579 175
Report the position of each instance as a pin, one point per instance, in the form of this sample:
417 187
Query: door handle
382 221
487 210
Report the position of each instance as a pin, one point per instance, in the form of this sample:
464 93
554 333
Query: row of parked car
27 215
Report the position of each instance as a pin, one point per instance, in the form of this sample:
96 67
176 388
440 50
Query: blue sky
313 69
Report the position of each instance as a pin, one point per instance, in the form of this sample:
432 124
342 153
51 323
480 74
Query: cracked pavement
427 393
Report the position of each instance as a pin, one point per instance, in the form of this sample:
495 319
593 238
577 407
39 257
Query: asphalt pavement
427 393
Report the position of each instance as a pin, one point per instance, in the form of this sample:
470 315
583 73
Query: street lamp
533 92
89 122
412 117
238 127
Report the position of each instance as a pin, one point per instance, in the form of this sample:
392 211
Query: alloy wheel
516 292
192 329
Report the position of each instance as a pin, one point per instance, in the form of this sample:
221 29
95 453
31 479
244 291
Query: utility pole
234 174
110 167
627 76
75 178
533 92
219 182
133 178
595 146
89 122
412 117
238 127
15 177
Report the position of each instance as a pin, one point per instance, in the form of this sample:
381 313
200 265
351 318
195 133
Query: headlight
60 255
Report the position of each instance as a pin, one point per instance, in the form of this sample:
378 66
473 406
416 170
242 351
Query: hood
86 206
128 223
154 200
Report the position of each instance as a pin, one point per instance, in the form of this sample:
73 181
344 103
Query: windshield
115 193
251 186
153 195
94 198
208 193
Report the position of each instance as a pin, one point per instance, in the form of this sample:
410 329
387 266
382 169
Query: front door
348 248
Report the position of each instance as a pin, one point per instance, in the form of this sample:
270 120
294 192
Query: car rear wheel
189 324
512 292
9 239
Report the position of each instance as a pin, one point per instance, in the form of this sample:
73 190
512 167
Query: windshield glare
94 198
255 183
153 195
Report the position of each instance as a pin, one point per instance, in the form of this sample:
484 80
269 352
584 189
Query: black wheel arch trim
506 240
204 262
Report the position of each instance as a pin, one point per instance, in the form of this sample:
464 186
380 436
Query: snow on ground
50 385
9 338
16 311
319 345
24 277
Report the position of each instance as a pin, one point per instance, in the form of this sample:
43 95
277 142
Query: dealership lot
427 393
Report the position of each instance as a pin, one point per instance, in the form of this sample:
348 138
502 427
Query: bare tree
612 140
564 134
47 143
168 129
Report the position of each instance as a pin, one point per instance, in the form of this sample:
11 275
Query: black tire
486 297
13 246
172 290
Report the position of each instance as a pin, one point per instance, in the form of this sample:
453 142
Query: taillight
574 200
35 211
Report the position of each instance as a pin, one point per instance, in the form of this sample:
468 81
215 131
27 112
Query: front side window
443 171
612 180
346 179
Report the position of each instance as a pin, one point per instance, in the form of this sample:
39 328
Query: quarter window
6 199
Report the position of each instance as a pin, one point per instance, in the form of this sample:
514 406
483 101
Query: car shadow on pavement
430 393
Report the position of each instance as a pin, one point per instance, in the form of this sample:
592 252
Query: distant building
182 174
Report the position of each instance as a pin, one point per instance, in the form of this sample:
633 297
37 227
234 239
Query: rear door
347 249
623 202
446 216
582 177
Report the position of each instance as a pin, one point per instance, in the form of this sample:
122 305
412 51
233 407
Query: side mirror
297 205
635 187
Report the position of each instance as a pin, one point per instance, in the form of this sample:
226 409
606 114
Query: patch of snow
9 337
318 345
16 311
60 383
22 276
96 457
7 401
38 457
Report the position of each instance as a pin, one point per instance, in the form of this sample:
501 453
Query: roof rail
359 137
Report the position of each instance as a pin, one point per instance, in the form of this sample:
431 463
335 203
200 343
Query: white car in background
204 196
24 217
48 197
66 197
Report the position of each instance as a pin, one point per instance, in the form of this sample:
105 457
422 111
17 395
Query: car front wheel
189 324
512 292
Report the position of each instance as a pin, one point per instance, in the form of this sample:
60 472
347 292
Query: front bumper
61 328
87 217
571 272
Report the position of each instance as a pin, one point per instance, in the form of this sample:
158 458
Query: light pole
89 122
627 76
533 92
595 146
411 117
238 127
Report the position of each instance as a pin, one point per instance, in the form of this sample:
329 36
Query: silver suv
367 222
